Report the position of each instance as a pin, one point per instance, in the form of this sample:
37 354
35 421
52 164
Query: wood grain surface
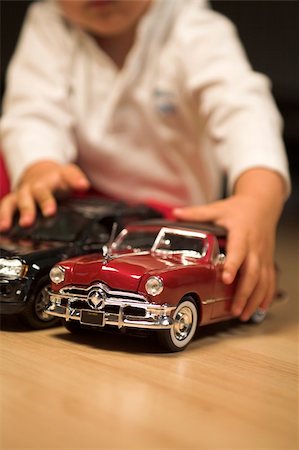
235 387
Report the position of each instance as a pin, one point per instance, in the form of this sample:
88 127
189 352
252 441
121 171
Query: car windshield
164 240
137 241
65 226
180 242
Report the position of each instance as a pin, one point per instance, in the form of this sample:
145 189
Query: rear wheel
258 316
183 329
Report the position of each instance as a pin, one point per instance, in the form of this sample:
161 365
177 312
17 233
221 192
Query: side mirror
220 259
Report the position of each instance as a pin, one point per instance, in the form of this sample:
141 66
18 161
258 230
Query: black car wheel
34 314
183 329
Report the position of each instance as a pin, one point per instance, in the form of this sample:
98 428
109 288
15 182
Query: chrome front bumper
154 316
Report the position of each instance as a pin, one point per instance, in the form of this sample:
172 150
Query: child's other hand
37 188
250 248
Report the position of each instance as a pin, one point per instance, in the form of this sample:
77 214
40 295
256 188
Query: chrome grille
108 308
110 294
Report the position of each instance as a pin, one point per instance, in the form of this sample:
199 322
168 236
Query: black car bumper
13 295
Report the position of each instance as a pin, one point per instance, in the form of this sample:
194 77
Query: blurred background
269 31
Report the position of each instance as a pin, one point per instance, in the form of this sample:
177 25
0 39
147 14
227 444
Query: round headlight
154 286
57 274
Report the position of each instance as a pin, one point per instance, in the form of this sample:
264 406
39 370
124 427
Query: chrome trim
156 316
208 301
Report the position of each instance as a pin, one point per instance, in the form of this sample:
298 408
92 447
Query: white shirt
185 108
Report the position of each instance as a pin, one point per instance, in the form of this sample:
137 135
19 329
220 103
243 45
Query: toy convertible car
155 275
27 254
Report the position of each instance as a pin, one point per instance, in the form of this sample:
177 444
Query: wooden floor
235 387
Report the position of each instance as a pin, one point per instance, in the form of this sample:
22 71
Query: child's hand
250 248
37 188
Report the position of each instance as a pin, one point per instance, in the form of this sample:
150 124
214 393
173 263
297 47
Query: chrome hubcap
182 323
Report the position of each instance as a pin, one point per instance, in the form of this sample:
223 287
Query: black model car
80 226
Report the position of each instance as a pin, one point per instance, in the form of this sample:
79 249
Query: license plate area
93 318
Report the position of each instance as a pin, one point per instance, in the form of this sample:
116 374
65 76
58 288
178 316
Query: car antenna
107 247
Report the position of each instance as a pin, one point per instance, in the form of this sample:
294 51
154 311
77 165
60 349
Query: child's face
104 17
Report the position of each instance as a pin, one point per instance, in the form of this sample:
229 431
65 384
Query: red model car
156 275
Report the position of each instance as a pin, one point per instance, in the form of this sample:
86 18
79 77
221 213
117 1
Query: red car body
156 275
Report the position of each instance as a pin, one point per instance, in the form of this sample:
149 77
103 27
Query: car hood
28 249
122 272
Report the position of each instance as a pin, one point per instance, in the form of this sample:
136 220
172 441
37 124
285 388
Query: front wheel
183 329
35 312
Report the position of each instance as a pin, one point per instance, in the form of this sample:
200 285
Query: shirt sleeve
234 102
37 123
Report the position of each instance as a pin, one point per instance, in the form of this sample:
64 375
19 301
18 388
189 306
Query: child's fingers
26 205
271 290
237 251
8 206
38 189
75 178
203 213
247 283
45 199
258 294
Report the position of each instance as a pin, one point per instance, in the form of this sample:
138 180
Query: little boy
141 100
